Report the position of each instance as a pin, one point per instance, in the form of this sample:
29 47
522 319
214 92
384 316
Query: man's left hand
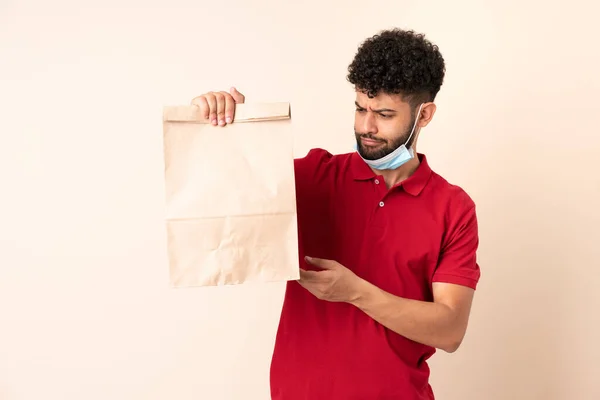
333 282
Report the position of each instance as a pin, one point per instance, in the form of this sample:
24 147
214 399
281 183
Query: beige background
85 308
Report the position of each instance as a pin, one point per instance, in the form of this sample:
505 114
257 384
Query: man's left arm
441 323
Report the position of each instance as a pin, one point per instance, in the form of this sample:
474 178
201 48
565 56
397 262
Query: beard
387 145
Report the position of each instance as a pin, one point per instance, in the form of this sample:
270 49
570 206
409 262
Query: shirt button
377 181
381 204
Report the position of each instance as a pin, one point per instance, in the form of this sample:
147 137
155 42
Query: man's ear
427 113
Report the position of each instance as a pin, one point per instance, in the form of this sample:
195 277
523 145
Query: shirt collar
413 185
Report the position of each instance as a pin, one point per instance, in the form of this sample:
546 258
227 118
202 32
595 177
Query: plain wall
85 307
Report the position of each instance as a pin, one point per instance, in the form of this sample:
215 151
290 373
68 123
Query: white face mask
399 156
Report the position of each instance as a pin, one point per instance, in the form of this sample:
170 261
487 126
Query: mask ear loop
415 124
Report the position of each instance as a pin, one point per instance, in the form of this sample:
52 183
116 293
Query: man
387 246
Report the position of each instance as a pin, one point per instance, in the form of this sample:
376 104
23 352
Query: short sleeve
311 169
458 259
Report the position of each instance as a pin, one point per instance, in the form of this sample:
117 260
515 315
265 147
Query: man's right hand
219 107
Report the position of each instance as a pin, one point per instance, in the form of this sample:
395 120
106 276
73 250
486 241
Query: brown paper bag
230 197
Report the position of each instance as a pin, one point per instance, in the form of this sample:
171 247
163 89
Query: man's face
381 124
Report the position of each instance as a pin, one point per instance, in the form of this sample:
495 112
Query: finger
320 262
308 276
220 108
212 107
229 108
308 281
237 96
201 102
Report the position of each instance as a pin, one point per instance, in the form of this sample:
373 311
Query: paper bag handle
246 112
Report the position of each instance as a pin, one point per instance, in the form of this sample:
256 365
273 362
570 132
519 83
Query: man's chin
369 155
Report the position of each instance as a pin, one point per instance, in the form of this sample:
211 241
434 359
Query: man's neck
393 177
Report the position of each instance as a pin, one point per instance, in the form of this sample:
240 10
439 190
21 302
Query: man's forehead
382 100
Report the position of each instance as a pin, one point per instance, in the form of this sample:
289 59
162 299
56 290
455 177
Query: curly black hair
400 62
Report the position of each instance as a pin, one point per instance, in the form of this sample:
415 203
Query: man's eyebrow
377 111
384 110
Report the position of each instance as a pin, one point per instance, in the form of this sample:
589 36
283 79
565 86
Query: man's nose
369 124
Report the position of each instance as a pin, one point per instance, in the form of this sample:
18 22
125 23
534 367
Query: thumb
320 262
237 96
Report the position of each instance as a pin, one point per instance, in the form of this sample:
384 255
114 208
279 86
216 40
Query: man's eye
385 116
360 109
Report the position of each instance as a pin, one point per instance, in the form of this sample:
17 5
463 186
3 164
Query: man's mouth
370 142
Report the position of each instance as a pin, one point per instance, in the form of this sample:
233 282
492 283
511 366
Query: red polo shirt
421 231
